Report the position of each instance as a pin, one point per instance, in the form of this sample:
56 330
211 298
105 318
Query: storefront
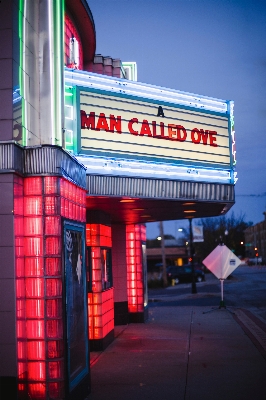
87 159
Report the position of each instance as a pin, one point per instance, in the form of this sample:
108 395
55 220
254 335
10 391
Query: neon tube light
52 89
102 166
88 79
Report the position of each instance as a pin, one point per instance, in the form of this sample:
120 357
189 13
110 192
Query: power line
251 195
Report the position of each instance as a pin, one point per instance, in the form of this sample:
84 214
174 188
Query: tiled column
40 326
136 282
101 296
40 276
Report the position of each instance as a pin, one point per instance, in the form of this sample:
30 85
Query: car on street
184 274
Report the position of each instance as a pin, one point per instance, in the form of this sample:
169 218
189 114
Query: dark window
106 268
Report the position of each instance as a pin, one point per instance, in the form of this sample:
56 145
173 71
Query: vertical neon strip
76 118
25 111
21 22
20 32
232 121
60 43
77 135
58 71
68 143
55 12
51 65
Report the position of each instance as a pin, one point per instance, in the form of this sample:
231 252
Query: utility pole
163 254
193 286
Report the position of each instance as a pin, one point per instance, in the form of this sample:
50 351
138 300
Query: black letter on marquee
160 112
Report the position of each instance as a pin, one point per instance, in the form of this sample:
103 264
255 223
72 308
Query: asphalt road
245 288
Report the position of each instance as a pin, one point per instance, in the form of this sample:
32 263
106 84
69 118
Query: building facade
87 158
255 243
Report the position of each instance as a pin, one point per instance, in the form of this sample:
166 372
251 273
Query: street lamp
243 249
193 285
183 236
161 238
225 234
256 254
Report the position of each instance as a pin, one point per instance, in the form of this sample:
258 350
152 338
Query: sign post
221 262
193 286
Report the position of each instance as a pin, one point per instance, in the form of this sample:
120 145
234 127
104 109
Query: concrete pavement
182 353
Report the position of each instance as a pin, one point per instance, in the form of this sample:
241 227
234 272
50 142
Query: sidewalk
183 354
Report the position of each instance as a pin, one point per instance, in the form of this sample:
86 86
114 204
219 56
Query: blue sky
208 47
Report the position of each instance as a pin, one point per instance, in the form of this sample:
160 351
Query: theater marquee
128 128
119 127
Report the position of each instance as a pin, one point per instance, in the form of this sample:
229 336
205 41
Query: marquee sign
120 127
124 127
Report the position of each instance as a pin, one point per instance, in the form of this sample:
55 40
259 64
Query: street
245 288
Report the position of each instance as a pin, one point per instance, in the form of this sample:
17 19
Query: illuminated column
40 326
136 272
40 303
101 291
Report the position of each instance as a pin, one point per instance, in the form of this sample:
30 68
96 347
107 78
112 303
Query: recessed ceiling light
188 204
146 216
189 211
138 209
127 201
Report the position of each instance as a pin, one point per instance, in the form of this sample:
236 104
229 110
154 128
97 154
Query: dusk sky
214 48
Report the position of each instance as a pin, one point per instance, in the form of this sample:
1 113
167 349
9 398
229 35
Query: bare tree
229 230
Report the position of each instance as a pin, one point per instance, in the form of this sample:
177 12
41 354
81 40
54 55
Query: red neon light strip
135 235
100 303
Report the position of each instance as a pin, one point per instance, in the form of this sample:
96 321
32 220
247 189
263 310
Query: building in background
87 157
176 253
255 243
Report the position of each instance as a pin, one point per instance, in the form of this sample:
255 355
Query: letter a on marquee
160 112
